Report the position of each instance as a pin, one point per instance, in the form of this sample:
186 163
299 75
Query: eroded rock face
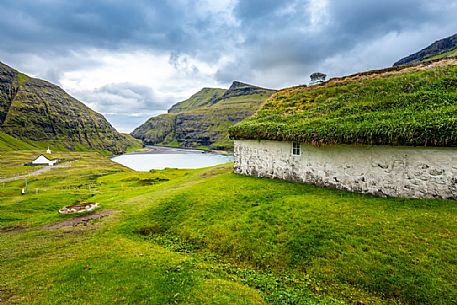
38 110
380 170
204 119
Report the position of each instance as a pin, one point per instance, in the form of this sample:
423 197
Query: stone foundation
417 172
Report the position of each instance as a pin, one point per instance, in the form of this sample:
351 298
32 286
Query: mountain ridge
439 49
37 110
202 121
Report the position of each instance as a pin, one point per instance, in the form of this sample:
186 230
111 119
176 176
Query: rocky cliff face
37 110
439 49
203 120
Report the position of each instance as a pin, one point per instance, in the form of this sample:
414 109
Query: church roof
41 158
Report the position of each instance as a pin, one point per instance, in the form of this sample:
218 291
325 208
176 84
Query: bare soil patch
215 171
13 229
80 220
5 295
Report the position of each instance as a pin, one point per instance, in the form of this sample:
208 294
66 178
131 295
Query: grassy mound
400 106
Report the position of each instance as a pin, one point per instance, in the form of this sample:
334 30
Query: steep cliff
202 121
442 48
37 110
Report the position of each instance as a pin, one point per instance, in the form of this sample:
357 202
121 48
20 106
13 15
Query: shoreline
162 150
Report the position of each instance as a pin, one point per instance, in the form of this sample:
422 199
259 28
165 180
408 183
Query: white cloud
141 81
319 14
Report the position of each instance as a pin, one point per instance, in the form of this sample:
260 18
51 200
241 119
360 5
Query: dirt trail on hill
35 173
80 220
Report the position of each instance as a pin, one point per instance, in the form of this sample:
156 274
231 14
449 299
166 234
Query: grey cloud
271 43
54 26
122 98
125 105
282 40
270 33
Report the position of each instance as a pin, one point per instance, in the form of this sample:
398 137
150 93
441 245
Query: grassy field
208 236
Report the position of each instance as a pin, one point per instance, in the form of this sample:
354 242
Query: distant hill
38 111
202 121
204 97
442 48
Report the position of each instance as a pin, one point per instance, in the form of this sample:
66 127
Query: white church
43 160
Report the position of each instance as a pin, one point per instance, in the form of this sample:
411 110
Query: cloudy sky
133 59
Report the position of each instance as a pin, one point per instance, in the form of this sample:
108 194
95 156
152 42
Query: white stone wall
418 172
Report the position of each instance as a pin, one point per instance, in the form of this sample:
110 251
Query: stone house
360 134
417 172
317 78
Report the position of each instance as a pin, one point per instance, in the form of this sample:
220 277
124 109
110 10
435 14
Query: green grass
9 143
22 78
208 236
414 106
200 99
443 55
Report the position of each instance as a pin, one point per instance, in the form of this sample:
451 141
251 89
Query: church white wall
417 172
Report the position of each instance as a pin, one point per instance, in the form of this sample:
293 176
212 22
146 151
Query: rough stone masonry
416 172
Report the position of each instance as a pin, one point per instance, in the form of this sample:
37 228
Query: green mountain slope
412 105
204 97
442 48
37 110
9 143
203 120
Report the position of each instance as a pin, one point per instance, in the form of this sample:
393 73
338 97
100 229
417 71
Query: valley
210 236
167 234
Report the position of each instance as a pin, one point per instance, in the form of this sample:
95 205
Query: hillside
9 143
202 120
36 110
412 105
204 97
442 48
209 236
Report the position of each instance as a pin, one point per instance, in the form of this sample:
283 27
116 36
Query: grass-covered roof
412 105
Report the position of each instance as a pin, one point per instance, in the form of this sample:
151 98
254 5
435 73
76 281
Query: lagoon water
162 157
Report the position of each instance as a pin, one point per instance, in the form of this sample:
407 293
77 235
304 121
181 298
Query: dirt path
80 220
35 173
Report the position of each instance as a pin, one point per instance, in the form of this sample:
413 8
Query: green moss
22 78
443 55
401 108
